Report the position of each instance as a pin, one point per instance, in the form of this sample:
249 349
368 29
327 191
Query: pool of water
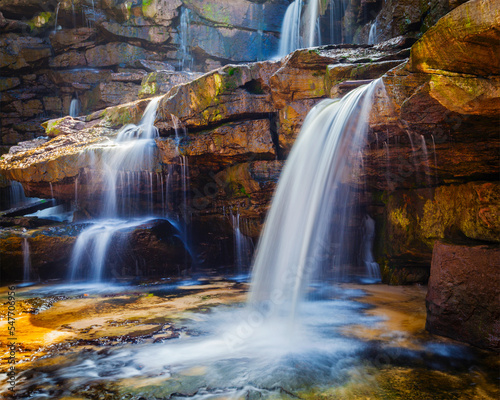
197 339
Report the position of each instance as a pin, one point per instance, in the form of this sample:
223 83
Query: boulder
464 292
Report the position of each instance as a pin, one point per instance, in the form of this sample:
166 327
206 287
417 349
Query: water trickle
290 39
306 230
57 15
372 36
186 62
74 108
26 260
425 160
51 190
243 245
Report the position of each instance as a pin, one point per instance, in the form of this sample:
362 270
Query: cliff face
81 56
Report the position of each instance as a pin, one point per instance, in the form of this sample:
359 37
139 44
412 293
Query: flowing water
74 108
243 245
310 210
312 37
290 39
372 36
126 168
186 62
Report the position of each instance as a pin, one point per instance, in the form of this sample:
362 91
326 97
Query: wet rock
233 45
117 54
152 34
161 82
464 41
462 301
161 12
80 76
266 16
132 75
244 139
114 93
18 52
68 59
153 66
72 39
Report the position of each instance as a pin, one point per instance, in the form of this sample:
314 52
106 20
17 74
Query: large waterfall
306 231
290 30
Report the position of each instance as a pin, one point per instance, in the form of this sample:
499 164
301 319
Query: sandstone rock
153 66
232 44
114 93
219 96
132 75
63 126
19 51
463 297
80 76
161 82
72 39
466 41
291 118
245 139
152 34
68 59
241 13
52 104
161 12
8 83
117 54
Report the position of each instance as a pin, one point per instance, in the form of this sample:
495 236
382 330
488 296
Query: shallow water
196 339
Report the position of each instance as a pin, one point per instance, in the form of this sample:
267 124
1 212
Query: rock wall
463 297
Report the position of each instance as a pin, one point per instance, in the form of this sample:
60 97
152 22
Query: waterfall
185 62
127 164
306 229
425 160
290 39
74 108
312 13
372 36
26 260
242 245
57 15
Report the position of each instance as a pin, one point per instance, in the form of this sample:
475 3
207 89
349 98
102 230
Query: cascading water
124 168
312 37
310 211
185 62
242 245
372 36
74 108
290 31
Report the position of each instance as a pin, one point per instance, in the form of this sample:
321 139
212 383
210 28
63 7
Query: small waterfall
186 62
290 39
127 164
57 16
312 34
74 108
372 36
26 260
243 245
306 230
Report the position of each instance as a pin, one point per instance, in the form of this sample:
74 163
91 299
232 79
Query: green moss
399 216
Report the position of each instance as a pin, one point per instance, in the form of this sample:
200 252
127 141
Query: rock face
464 292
